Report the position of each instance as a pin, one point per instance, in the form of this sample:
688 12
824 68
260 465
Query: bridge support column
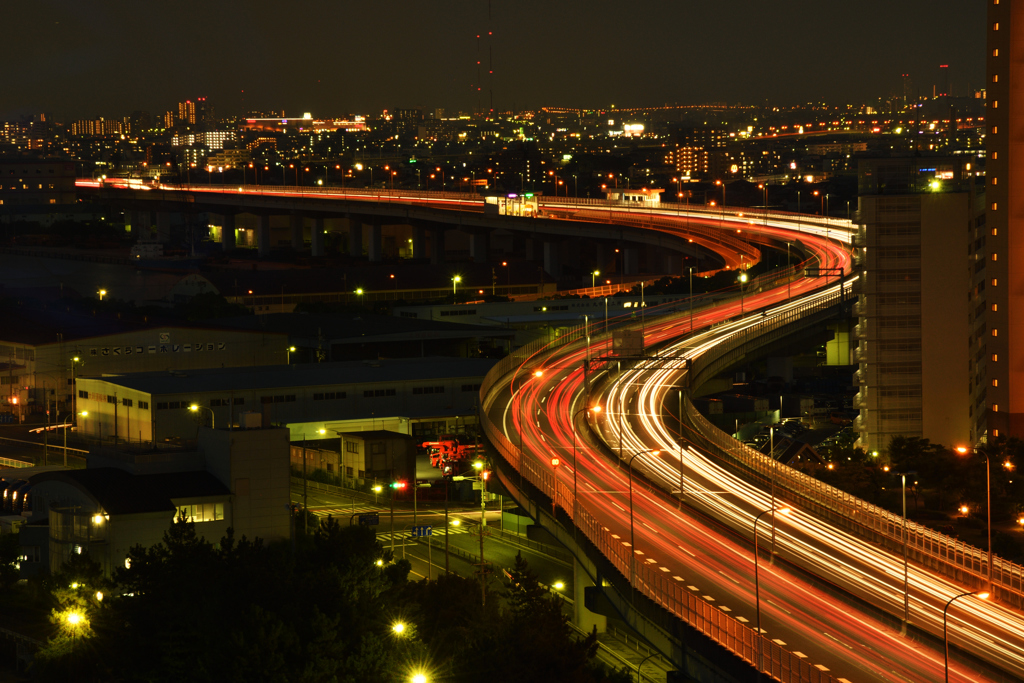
263 235
572 253
298 240
551 262
163 227
227 232
419 241
436 246
479 245
630 261
316 237
355 237
131 219
583 618
374 248
670 262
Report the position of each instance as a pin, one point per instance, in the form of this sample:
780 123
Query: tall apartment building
187 112
998 244
912 309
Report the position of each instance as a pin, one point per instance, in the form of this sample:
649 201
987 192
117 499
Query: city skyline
331 59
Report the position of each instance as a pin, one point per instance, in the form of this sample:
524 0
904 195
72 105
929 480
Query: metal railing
732 634
927 547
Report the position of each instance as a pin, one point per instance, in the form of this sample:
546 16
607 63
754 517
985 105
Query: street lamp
593 278
594 409
945 610
963 450
291 350
455 286
398 628
632 541
757 586
742 279
195 408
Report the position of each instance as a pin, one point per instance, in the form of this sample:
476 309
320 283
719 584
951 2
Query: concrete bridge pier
374 249
671 263
163 227
630 260
436 246
583 618
552 264
479 245
419 241
263 235
316 237
298 239
355 237
227 232
571 253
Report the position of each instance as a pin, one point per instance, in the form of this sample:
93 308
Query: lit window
995 357
995 257
995 26
995 332
995 282
995 432
995 130
995 78
995 231
995 407
995 383
995 52
995 307
995 206
995 105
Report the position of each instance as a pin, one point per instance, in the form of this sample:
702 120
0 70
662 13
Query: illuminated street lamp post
455 286
963 450
757 587
290 351
195 408
593 278
945 634
632 540
742 280
595 409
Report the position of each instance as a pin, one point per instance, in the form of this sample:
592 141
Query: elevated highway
832 603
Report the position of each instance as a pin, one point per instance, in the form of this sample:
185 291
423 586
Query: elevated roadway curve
698 543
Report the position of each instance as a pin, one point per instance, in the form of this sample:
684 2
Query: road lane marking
830 637
687 551
728 577
780 607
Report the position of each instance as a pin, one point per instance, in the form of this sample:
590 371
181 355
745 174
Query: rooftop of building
355 325
122 493
308 375
30 321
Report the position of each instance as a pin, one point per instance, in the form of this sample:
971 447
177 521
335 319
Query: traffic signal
556 461
485 475
398 485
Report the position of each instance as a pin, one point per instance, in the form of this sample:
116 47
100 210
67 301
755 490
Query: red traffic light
398 485
485 475
556 461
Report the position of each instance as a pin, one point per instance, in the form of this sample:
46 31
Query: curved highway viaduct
366 212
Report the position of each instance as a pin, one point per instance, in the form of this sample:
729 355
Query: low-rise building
238 480
420 396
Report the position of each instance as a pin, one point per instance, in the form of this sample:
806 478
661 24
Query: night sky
78 59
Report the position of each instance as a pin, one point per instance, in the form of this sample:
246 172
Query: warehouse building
420 397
